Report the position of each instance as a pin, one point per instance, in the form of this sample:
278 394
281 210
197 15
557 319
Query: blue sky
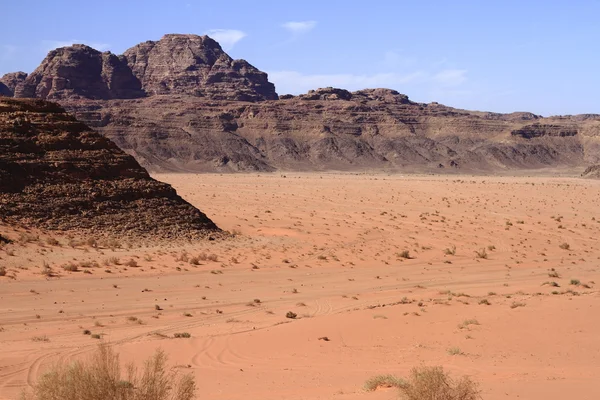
504 56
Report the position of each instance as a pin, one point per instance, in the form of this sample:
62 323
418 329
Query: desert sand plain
363 260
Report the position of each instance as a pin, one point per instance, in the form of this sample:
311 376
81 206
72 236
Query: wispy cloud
451 77
296 82
227 38
299 27
48 45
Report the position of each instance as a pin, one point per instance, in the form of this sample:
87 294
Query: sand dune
363 260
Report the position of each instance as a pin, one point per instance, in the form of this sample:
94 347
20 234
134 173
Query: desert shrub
131 263
481 253
2 271
575 282
71 267
564 246
182 335
52 241
383 381
451 251
404 254
100 378
432 383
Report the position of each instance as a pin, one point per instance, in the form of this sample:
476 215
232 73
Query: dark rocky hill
58 174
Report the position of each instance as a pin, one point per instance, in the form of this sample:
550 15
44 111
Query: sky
492 55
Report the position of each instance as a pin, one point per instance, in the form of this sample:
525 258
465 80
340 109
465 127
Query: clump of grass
564 246
482 253
485 302
404 254
516 304
432 383
87 332
467 322
2 271
455 351
575 282
71 267
100 377
43 338
553 273
383 381
451 251
131 263
291 314
181 335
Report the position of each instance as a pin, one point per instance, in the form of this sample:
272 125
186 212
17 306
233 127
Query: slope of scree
58 174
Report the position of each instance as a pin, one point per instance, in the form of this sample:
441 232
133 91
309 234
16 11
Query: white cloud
296 82
227 38
451 77
299 27
48 45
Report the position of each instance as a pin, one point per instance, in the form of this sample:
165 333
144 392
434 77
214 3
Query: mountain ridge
182 104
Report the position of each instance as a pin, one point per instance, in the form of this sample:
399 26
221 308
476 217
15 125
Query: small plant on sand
516 304
564 246
71 268
2 271
403 254
467 322
485 302
482 253
131 263
383 381
451 251
553 273
432 383
455 351
43 338
575 282
100 378
291 314
182 335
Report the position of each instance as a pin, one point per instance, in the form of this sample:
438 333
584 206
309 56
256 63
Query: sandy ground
329 248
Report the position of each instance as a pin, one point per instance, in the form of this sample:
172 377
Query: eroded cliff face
334 129
182 104
56 173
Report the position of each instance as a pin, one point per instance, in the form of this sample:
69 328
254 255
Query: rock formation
182 104
593 171
56 173
9 82
196 65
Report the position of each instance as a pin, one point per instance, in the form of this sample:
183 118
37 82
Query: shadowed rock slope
58 174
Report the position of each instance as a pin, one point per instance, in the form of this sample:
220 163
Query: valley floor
364 260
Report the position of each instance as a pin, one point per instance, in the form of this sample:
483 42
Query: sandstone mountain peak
176 64
196 65
56 173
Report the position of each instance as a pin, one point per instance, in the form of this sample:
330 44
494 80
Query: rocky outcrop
175 65
593 171
9 82
77 72
196 65
56 173
329 129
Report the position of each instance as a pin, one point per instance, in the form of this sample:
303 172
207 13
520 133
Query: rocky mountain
58 174
182 104
593 171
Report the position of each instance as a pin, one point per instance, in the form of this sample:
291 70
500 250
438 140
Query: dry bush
450 251
100 379
564 246
131 263
432 383
2 271
481 254
383 381
70 267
